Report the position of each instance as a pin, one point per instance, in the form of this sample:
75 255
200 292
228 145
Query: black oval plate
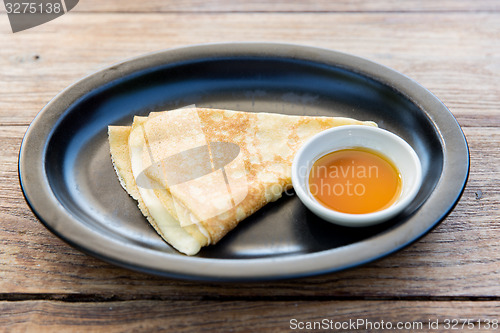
69 182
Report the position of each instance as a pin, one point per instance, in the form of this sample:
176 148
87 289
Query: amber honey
355 181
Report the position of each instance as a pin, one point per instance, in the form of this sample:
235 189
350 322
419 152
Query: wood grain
460 68
238 316
460 258
297 6
451 47
286 6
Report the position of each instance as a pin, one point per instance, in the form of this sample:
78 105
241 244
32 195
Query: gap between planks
84 298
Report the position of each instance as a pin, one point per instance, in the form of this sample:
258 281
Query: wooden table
450 47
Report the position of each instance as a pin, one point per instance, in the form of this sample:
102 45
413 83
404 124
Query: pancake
197 172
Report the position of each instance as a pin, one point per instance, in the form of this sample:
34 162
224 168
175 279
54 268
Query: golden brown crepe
197 172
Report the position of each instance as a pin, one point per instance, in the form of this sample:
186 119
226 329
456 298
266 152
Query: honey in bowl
355 181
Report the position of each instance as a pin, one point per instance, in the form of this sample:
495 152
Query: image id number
33 8
461 324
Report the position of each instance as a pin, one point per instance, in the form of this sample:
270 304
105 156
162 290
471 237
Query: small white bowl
351 136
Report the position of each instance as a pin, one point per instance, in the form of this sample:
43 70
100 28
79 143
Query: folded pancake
196 172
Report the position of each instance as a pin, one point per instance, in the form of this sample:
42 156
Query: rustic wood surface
450 47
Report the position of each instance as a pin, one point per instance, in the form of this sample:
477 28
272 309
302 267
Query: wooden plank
255 316
213 6
285 6
456 56
459 258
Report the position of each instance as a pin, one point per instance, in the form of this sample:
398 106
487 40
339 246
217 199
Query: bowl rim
299 180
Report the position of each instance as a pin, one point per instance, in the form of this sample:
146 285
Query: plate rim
36 189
